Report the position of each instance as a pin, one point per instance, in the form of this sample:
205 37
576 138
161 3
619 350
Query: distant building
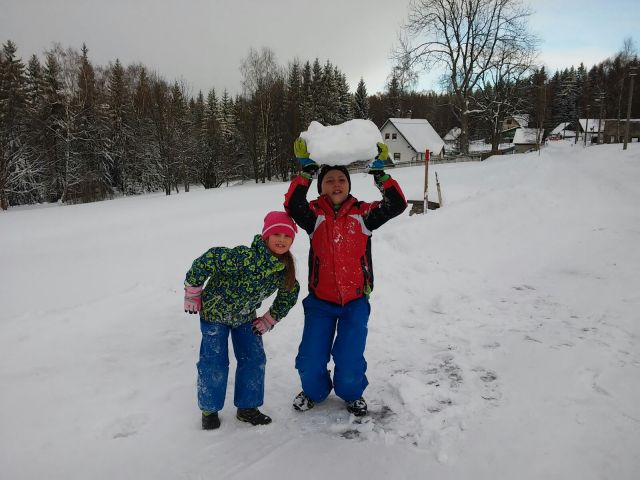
452 140
511 124
563 130
614 130
408 138
589 127
527 139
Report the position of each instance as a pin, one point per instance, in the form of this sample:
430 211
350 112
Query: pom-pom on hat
327 168
278 222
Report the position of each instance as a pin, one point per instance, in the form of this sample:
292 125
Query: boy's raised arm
393 202
295 200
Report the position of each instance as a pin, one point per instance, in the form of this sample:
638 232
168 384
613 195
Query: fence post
426 180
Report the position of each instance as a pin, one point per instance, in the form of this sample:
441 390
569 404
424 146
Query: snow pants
339 331
213 366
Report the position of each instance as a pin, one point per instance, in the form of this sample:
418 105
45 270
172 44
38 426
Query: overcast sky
204 41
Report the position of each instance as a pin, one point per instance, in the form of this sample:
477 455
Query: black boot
210 421
253 416
302 403
357 407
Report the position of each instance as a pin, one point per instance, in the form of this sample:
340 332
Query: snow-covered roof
562 127
453 134
480 146
521 119
419 133
527 136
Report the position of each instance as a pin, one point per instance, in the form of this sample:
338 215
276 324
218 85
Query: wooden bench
417 206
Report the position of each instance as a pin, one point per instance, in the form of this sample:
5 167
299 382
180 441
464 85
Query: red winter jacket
340 268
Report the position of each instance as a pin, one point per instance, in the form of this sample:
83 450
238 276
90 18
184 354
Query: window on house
386 136
394 136
396 157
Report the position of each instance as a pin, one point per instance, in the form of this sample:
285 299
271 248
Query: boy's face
336 186
279 243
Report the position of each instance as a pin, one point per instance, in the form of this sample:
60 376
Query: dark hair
289 270
327 168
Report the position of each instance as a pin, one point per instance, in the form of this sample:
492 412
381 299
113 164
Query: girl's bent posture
226 286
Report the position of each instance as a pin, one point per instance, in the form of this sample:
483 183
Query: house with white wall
408 138
452 140
527 139
563 130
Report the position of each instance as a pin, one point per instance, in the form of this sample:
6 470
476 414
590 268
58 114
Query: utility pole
601 100
586 126
632 75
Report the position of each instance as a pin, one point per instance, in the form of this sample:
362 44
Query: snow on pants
213 366
348 324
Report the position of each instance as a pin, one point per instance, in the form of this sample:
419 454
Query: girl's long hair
289 270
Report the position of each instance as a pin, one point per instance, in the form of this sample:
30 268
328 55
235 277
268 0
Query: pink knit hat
278 222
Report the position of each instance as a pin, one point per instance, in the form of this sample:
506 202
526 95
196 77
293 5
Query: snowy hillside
503 341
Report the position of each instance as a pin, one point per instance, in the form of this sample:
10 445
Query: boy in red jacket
340 276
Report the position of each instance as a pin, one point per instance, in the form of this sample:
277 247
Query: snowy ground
503 339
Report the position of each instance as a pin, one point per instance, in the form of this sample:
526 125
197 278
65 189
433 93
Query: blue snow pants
213 366
348 324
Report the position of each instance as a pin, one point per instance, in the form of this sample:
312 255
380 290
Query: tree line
74 132
490 73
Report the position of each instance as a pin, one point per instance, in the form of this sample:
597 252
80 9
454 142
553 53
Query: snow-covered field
503 341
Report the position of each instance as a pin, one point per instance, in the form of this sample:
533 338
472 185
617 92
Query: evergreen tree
36 130
209 165
14 162
180 141
307 106
328 100
361 101
120 130
294 100
345 99
228 137
145 167
89 146
566 97
317 91
54 132
393 95
159 113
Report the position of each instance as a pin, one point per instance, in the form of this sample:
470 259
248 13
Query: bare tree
465 37
503 85
620 69
260 73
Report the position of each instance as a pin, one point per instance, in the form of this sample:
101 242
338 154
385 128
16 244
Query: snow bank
342 144
502 342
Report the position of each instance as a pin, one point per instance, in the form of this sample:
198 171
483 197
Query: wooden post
632 75
426 180
439 192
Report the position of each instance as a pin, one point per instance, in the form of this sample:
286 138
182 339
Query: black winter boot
210 420
357 407
302 403
253 416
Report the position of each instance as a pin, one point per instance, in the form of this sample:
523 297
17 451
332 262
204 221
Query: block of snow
342 144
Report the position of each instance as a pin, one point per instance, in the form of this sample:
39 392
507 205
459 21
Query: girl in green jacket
226 286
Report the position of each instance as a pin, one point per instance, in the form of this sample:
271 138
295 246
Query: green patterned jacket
240 279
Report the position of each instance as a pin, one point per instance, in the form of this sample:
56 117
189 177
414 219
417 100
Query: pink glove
192 299
263 324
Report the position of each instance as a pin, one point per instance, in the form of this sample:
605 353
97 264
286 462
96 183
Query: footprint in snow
127 426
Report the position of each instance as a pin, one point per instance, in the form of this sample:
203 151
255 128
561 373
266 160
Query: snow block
342 144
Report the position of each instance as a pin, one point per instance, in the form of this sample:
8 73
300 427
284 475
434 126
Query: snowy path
503 340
